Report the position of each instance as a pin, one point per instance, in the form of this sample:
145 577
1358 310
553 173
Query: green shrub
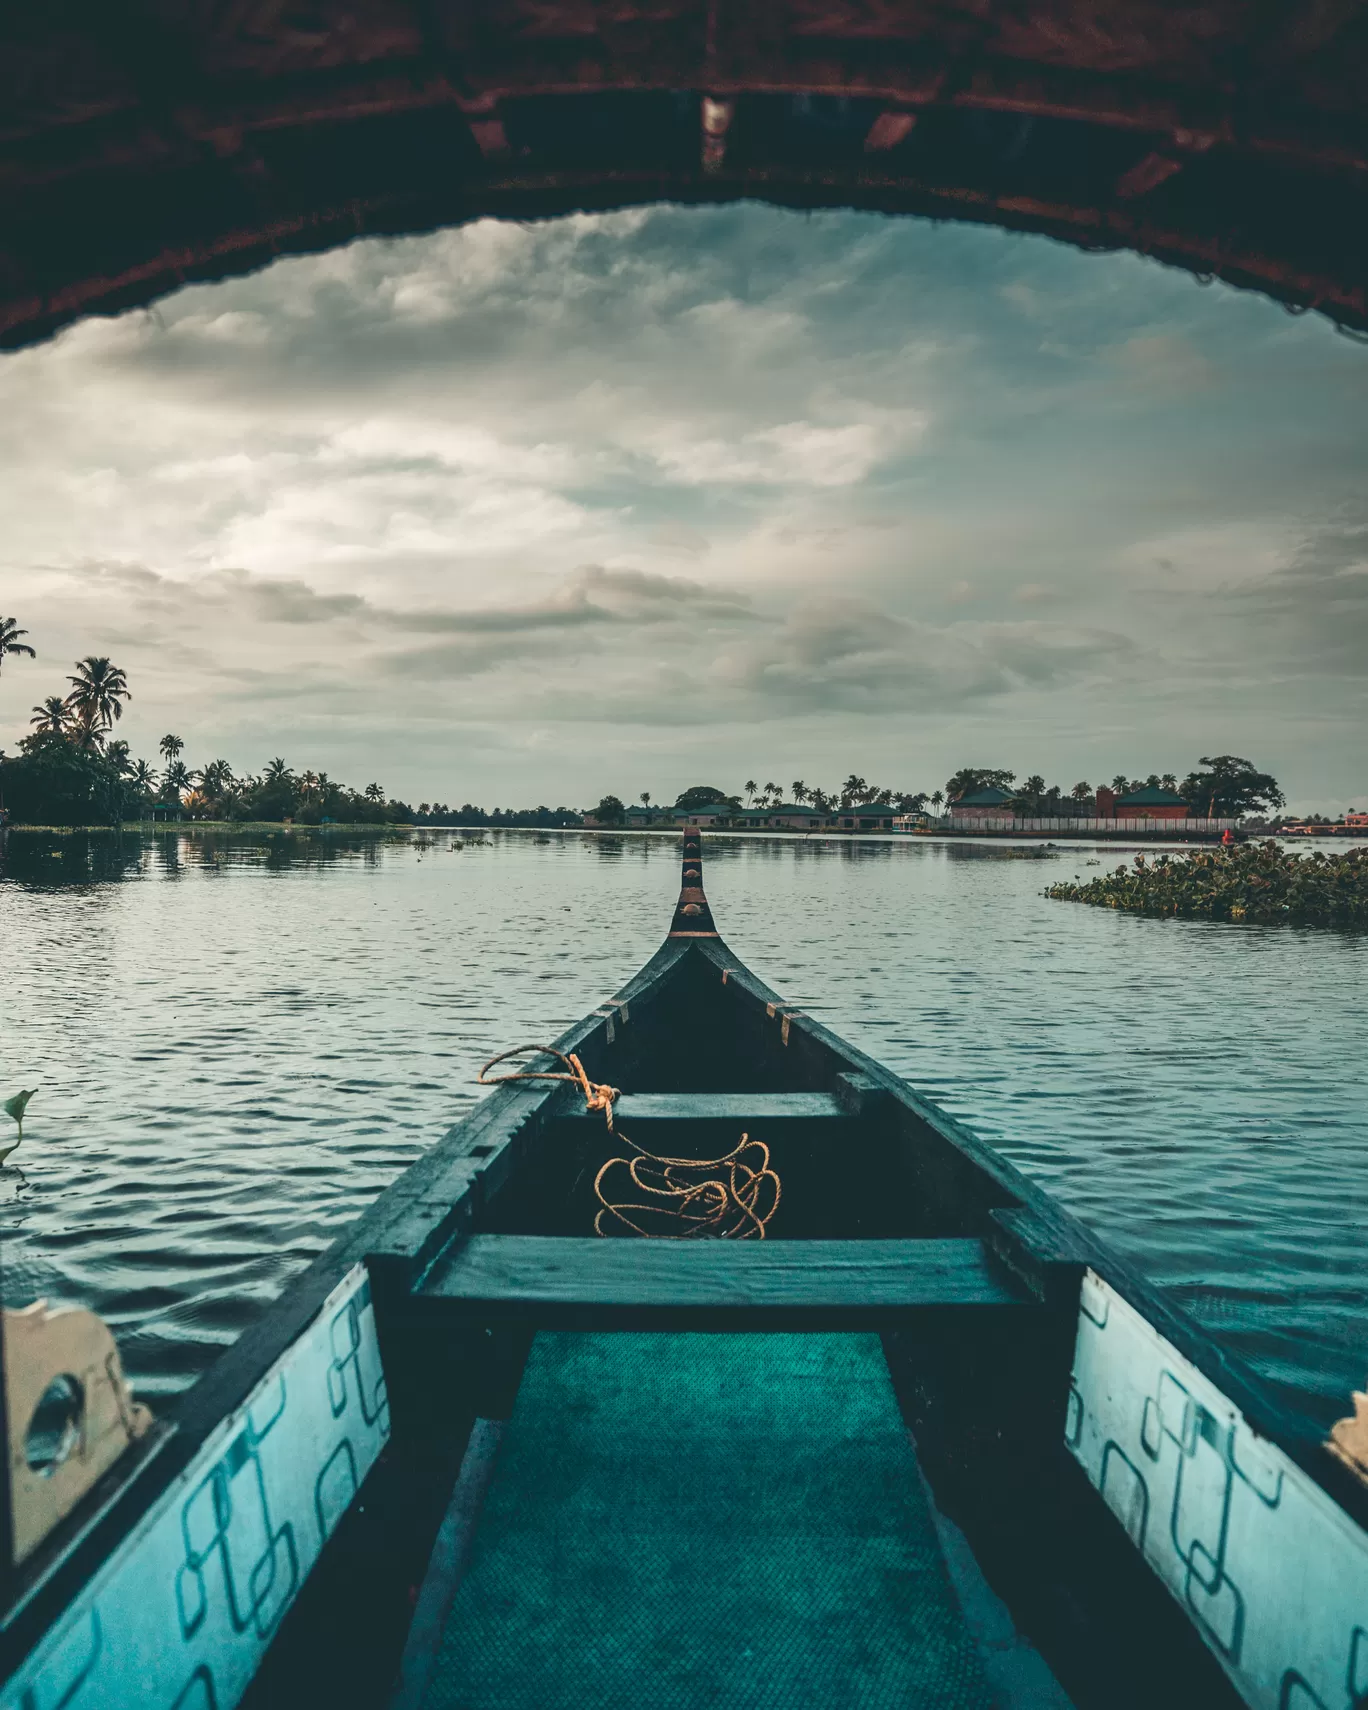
54 783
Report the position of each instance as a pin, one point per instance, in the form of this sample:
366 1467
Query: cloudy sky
523 514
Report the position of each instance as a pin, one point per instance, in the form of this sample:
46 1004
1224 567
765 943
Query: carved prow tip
692 916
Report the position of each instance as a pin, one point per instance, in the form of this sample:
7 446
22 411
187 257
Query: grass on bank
1259 883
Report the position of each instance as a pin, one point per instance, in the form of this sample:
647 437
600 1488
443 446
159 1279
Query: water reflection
48 859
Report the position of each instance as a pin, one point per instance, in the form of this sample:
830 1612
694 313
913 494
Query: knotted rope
729 1198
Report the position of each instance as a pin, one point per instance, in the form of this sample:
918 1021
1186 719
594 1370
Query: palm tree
52 717
374 792
117 754
749 788
308 783
276 774
9 639
171 748
853 790
937 797
215 778
98 691
645 798
799 789
174 780
1081 790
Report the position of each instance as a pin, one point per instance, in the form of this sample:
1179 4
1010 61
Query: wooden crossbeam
591 1284
718 1107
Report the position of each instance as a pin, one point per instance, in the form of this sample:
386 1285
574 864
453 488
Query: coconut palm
171 748
937 797
9 639
214 778
51 717
800 790
375 792
144 779
749 788
98 691
1081 790
175 779
645 798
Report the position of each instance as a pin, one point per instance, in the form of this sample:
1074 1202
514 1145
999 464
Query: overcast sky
524 514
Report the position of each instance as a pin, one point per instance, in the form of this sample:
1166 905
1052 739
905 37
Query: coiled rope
728 1198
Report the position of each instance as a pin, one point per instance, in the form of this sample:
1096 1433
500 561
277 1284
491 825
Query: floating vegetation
1254 882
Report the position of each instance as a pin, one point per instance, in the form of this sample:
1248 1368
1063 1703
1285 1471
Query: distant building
872 816
990 803
718 815
786 816
1356 819
1150 803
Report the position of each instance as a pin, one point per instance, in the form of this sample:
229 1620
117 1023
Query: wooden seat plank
719 1107
603 1284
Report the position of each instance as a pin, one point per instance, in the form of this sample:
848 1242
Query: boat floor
683 1520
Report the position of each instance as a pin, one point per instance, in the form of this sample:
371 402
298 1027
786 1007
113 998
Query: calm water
239 1042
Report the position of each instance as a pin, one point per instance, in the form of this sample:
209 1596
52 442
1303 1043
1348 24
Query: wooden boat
916 1438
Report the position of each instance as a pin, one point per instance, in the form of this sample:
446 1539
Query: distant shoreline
1062 840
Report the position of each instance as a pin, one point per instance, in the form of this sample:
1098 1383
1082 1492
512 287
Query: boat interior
670 1443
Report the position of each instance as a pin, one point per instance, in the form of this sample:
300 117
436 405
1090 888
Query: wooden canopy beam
139 149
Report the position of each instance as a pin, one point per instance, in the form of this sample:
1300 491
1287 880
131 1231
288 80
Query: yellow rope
725 1197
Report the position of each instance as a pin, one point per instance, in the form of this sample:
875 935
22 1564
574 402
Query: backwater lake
239 1040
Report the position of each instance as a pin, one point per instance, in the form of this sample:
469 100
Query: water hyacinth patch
1256 882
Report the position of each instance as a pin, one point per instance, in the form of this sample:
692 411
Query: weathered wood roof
144 143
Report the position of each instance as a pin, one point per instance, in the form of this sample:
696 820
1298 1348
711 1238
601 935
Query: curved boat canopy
146 145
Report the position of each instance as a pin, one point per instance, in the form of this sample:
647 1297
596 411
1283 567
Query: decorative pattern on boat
182 1613
1273 1574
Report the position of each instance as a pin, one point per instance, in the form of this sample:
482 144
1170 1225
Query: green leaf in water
16 1107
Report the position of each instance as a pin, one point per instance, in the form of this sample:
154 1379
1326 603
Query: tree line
1222 786
71 769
